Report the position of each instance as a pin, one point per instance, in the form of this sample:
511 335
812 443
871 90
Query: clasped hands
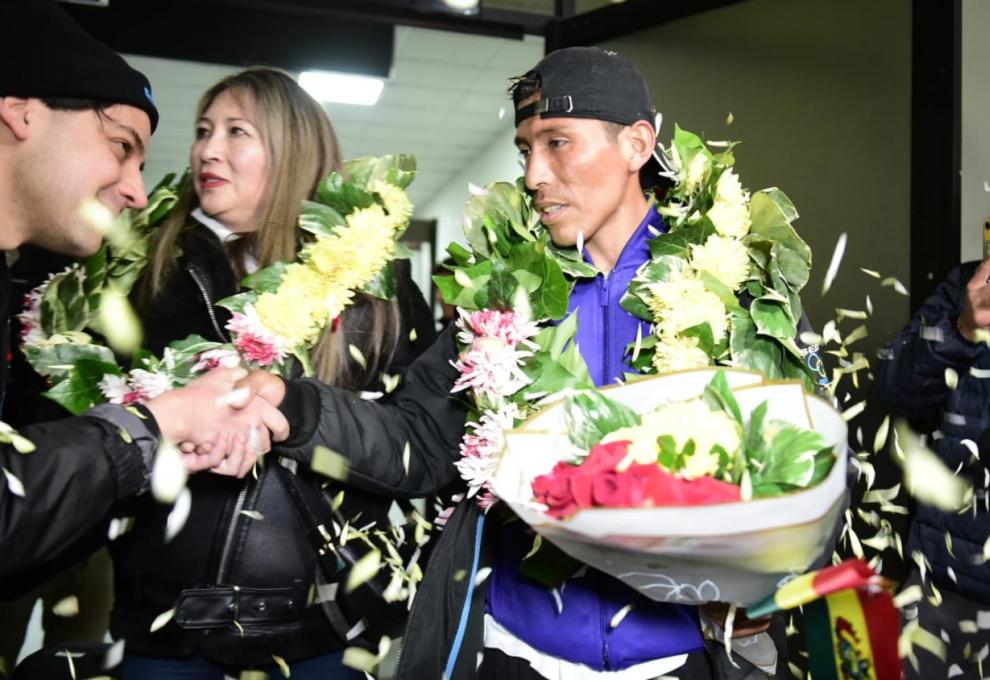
224 420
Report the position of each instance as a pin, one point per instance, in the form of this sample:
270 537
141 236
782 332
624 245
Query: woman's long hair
302 149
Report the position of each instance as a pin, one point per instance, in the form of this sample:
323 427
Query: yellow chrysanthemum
685 420
296 319
682 302
724 258
676 353
730 213
397 203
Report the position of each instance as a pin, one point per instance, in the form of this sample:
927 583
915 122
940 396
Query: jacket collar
637 248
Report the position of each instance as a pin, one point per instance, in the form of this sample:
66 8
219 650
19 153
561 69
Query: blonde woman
239 572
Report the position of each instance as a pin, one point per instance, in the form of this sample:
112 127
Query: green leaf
718 395
678 243
560 335
460 254
319 219
769 220
265 280
590 415
783 203
571 262
724 293
703 332
772 317
383 285
794 269
57 360
753 351
790 456
343 196
81 391
549 375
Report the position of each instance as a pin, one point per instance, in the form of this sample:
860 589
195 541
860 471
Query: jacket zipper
604 624
229 541
209 303
604 305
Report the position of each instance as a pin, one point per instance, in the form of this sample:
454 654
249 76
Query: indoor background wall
975 189
820 96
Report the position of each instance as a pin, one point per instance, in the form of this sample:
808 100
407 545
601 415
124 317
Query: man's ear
639 141
16 114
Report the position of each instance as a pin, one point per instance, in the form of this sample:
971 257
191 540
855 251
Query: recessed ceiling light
463 5
341 88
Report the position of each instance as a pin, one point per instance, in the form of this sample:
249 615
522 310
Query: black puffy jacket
226 564
913 383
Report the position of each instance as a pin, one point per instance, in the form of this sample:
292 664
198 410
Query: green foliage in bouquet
764 457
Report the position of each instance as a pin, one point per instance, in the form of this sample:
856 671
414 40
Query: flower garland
280 316
721 288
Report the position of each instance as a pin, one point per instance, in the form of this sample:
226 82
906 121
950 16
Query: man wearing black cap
75 121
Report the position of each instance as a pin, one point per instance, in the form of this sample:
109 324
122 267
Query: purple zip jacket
580 632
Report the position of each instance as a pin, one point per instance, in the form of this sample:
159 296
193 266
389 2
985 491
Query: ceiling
445 102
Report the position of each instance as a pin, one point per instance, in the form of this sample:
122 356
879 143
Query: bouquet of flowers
707 484
355 223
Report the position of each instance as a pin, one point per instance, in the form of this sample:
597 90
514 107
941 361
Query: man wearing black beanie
75 121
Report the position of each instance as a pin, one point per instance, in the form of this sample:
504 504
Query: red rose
614 490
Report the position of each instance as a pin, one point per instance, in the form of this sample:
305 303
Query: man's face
578 175
75 155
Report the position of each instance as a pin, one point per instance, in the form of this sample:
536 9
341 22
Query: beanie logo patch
147 93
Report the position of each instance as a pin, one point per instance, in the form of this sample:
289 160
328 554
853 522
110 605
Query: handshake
223 420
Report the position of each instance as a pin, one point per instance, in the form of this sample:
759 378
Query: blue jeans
326 667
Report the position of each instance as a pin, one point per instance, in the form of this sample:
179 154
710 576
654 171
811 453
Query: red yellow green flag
851 624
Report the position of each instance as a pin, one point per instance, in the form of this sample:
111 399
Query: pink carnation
255 342
506 326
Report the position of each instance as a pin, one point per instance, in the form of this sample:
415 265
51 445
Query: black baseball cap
46 54
588 82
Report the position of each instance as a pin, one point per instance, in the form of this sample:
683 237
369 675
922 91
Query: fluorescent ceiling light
342 88
463 5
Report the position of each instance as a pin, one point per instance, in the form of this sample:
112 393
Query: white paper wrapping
731 552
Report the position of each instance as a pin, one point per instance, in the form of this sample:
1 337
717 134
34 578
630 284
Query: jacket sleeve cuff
131 442
301 407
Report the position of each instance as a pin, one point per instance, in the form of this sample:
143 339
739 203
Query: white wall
975 126
499 161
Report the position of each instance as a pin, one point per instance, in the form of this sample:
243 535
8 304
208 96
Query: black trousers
499 666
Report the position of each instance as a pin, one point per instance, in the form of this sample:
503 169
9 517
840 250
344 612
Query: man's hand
741 626
975 315
266 385
219 426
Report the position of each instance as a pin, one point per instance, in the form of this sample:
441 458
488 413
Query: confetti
254 514
951 378
363 570
413 335
926 477
179 514
537 544
114 655
161 620
13 483
897 285
405 458
282 666
619 615
168 474
329 463
461 277
833 267
880 439
119 322
729 119
357 356
67 607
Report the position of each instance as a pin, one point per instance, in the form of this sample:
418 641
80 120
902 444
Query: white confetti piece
833 267
119 322
895 284
253 514
179 514
161 620
482 574
13 483
168 474
926 477
951 378
67 607
619 615
357 356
